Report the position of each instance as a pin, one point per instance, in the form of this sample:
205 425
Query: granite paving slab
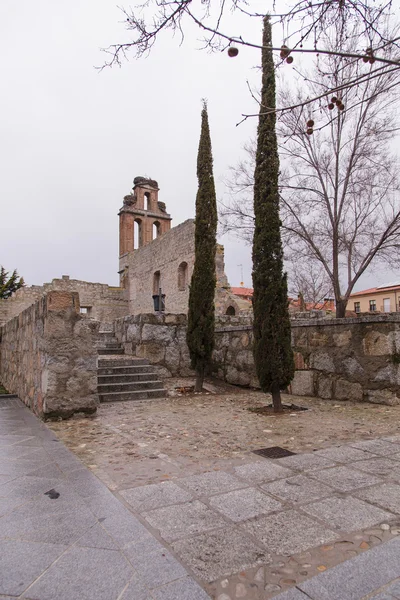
156 495
343 454
22 562
262 471
65 535
181 520
345 479
84 573
386 495
347 514
186 589
305 462
383 467
380 447
241 505
289 532
220 553
298 489
213 482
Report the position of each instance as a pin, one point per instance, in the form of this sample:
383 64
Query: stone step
138 395
132 370
127 377
123 363
106 327
105 388
107 336
112 351
111 344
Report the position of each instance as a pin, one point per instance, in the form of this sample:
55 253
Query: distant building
246 294
384 298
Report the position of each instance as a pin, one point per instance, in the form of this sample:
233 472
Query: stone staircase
121 377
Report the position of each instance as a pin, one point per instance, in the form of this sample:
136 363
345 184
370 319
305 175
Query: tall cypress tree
272 350
200 332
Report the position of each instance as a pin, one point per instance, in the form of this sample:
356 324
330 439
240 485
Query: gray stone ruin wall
339 359
103 302
48 356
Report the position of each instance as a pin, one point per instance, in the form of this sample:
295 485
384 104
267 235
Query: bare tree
302 29
340 201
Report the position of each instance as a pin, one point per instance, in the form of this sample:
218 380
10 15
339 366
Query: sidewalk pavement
64 535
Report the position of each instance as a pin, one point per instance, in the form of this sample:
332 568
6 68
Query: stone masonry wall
48 356
340 359
105 303
165 254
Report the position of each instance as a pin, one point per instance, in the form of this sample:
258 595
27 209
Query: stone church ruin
68 344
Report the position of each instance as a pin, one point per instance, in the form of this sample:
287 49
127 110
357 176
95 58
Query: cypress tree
200 332
272 350
9 284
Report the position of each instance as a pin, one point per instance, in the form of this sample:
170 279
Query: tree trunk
276 398
198 386
341 308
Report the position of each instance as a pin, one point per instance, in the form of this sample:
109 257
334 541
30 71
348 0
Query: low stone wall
348 359
340 359
49 357
159 338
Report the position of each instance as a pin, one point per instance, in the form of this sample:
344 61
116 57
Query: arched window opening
230 311
146 201
137 234
156 282
156 230
182 276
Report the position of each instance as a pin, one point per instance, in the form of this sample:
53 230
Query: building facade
382 299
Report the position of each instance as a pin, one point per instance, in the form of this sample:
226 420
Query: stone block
241 505
154 352
181 520
386 495
260 472
213 482
133 333
382 397
160 334
347 514
298 489
302 383
345 479
322 361
156 495
351 366
288 532
324 387
107 571
183 588
342 339
376 343
172 358
345 390
318 339
221 553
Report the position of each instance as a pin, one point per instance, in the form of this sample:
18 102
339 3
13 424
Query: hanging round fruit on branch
310 131
233 51
285 51
310 123
289 60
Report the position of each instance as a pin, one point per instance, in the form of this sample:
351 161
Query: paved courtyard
322 524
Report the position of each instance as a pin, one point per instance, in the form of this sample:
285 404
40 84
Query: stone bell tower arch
142 218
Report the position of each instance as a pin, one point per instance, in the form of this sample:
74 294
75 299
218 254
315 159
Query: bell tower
142 218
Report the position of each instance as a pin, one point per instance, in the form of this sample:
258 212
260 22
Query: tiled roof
375 290
242 291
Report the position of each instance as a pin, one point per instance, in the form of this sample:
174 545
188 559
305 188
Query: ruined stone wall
165 255
341 359
103 302
48 356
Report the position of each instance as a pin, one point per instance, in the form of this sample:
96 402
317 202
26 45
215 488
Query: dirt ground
197 429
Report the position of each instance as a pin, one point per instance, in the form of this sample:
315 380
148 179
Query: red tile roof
242 291
376 290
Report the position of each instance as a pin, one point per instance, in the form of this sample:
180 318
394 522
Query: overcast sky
72 138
